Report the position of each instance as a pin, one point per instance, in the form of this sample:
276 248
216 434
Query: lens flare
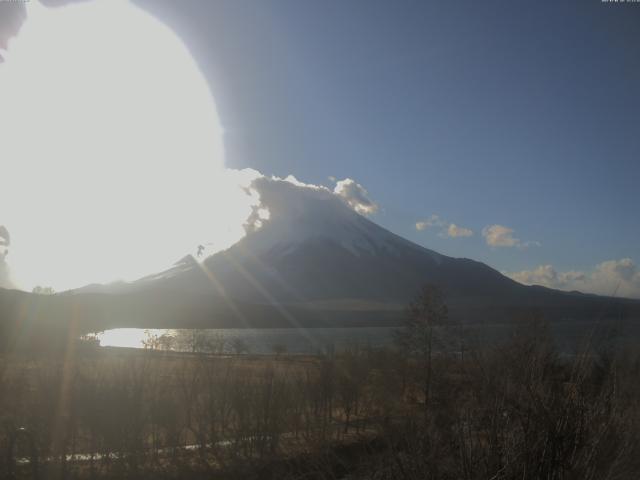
112 149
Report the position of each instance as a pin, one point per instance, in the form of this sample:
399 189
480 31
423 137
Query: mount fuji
308 259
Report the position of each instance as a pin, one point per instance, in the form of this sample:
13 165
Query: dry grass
518 410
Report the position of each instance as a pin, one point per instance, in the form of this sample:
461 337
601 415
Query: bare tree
427 311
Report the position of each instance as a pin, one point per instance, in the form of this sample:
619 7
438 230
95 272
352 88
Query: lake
257 341
568 335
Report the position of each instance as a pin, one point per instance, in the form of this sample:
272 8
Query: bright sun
112 150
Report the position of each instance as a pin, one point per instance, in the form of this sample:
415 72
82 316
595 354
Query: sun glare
112 149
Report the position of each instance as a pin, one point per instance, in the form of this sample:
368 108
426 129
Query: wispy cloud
432 221
456 231
446 229
619 277
501 236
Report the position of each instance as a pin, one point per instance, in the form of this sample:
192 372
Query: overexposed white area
112 149
128 337
256 340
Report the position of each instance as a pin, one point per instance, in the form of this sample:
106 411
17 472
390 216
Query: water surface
569 337
257 341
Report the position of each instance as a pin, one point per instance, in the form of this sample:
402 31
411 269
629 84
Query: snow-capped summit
305 244
290 215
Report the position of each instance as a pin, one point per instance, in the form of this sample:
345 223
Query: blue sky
521 114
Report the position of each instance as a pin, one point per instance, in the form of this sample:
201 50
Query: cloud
456 231
450 230
356 196
548 276
280 201
432 221
501 236
613 277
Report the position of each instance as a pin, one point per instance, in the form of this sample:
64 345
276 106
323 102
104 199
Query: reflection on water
128 337
569 336
239 340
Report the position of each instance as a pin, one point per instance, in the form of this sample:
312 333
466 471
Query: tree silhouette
427 311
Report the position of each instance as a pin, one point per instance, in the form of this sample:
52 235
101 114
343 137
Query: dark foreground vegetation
430 408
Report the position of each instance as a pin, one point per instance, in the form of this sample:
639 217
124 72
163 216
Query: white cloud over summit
356 196
279 200
613 277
